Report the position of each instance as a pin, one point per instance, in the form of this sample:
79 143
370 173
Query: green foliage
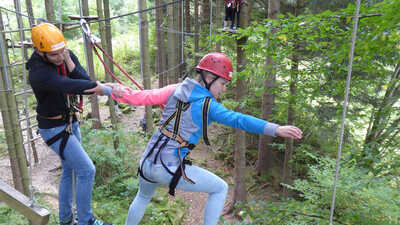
361 198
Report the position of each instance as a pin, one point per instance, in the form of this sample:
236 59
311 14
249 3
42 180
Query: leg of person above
233 18
143 197
228 17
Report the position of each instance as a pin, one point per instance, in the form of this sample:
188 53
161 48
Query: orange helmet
47 38
218 64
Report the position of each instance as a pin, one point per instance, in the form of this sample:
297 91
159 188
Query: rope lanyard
94 45
353 41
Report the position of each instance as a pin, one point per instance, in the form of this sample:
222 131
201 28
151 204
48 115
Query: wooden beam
18 201
77 17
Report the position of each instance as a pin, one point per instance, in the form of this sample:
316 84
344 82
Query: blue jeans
77 160
205 181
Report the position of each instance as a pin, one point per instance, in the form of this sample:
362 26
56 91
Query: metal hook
85 26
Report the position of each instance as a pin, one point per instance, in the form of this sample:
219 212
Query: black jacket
50 88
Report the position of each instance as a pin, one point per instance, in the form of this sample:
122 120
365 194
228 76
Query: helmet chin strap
208 85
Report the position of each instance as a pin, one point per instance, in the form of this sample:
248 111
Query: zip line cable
350 68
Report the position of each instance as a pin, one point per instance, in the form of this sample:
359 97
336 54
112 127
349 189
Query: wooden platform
229 31
18 201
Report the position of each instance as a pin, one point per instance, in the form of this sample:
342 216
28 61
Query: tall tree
287 164
239 192
160 51
111 103
9 111
29 9
89 54
220 9
265 151
145 61
50 15
171 59
196 31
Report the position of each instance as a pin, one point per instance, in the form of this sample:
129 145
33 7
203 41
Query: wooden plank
77 17
36 214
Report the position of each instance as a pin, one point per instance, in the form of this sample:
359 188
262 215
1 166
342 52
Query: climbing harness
167 135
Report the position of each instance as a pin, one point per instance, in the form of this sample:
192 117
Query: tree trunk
160 54
181 38
50 15
12 127
381 126
240 193
177 43
111 103
205 12
220 11
145 60
287 164
196 32
89 54
29 9
266 157
171 45
187 16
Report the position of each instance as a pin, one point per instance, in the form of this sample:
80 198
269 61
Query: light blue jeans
205 181
77 160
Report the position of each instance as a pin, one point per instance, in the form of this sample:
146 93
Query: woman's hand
96 90
118 89
289 132
67 57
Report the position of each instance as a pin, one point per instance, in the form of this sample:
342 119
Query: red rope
117 65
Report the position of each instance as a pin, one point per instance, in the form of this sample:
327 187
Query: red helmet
218 64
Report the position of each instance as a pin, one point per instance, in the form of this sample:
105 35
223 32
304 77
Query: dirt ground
45 174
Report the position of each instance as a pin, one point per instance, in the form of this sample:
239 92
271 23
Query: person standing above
236 13
229 14
57 77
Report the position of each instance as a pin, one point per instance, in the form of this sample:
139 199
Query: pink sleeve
146 97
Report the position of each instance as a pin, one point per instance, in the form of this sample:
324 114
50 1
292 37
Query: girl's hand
288 131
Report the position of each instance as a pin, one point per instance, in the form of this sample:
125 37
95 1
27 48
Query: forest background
291 60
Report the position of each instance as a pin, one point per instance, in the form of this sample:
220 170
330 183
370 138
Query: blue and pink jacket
191 121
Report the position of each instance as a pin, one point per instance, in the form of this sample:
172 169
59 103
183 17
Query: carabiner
85 27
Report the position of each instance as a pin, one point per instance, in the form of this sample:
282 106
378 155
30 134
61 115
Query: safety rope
94 45
99 20
350 68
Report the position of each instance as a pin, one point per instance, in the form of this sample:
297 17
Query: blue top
191 120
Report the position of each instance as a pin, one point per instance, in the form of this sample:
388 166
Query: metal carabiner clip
85 27
86 30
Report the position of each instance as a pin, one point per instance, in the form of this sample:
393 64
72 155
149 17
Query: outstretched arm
126 95
220 114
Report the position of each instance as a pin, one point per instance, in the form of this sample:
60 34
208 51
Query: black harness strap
140 168
205 110
64 134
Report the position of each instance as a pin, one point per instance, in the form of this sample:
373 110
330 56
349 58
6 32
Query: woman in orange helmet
57 77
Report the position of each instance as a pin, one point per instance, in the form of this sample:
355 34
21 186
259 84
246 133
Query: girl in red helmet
190 107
